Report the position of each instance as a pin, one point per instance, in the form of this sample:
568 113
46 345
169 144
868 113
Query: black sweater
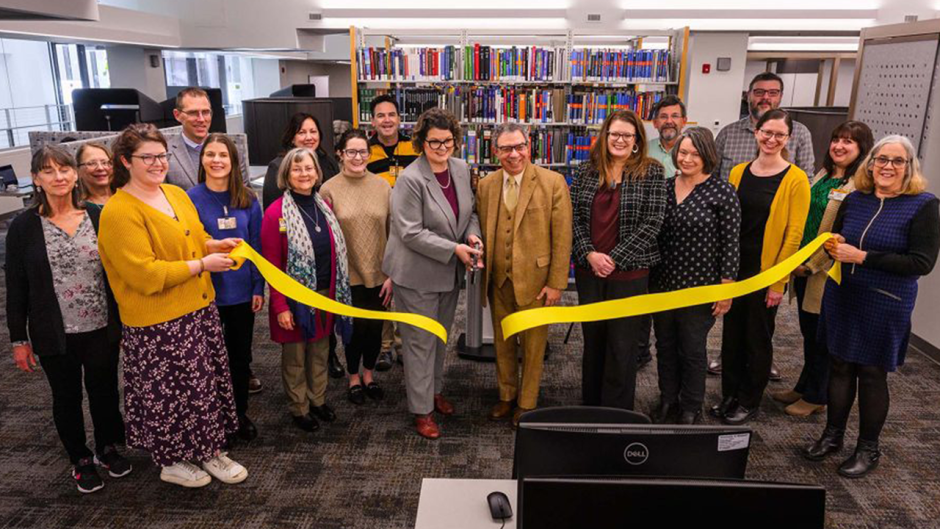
33 311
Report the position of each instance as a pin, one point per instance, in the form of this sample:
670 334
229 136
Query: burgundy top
450 192
605 228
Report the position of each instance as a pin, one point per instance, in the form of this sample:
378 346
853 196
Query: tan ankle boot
801 408
786 397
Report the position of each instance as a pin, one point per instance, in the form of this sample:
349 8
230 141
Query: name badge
228 223
282 226
838 195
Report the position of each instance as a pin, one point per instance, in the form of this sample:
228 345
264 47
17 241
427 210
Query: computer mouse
500 508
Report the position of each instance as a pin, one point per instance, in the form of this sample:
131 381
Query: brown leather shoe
442 406
801 408
426 426
501 410
516 415
786 397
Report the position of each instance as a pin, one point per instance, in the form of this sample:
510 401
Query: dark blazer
270 191
642 209
33 311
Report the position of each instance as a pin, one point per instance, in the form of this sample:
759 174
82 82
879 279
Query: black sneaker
384 363
115 463
86 477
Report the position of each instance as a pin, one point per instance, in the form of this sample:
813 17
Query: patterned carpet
365 470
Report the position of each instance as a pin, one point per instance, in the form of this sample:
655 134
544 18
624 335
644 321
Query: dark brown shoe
501 410
517 415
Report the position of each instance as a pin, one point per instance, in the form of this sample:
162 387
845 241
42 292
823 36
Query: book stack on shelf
589 65
592 108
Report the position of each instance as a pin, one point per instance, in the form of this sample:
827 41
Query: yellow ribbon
288 286
650 303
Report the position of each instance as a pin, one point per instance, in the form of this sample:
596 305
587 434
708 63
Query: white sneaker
185 474
225 470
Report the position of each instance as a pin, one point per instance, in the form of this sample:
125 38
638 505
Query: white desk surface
461 503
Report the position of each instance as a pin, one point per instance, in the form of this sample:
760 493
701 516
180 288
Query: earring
636 148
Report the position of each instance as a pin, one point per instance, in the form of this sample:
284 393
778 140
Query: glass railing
16 123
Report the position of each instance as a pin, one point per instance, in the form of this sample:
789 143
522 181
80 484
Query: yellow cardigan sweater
788 212
144 253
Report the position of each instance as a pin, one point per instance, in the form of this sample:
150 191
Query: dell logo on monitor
636 453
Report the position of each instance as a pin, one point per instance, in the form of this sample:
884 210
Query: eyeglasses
897 163
439 144
625 137
682 153
779 136
303 170
96 164
663 117
150 159
353 153
198 113
760 92
519 148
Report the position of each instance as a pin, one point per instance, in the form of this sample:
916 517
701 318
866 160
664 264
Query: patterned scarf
302 265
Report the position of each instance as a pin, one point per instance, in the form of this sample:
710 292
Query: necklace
316 223
219 202
449 181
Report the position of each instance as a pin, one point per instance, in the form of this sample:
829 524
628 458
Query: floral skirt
178 400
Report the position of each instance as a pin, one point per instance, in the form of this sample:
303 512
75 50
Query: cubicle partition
266 119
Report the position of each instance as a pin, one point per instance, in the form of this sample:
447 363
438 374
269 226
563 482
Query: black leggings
871 383
366 334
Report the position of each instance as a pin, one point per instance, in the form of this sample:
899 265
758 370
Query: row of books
592 108
618 65
547 147
513 64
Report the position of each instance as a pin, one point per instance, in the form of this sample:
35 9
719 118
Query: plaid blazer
642 208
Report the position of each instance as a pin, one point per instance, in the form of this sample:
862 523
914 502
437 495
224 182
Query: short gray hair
283 173
508 128
704 143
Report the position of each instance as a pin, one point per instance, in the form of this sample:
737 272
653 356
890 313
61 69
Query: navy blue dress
867 319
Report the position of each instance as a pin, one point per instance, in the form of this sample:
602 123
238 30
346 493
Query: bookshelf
557 85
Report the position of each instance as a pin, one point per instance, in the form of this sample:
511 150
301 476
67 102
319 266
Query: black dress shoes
334 368
719 410
828 443
739 415
690 417
246 429
374 392
356 395
306 423
665 413
864 460
324 413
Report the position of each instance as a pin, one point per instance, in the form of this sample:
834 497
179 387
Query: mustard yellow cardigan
788 211
144 253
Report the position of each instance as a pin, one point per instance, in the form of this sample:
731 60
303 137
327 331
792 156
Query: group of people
395 219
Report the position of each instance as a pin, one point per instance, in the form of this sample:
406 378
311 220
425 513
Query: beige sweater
360 203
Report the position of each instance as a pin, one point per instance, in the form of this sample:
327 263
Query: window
212 70
28 92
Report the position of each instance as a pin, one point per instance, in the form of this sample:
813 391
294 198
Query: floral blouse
77 276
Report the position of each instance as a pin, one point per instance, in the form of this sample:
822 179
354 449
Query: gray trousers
423 352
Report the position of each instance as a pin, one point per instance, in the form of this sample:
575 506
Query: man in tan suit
526 215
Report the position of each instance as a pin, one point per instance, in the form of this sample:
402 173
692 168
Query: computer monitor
586 449
650 502
8 175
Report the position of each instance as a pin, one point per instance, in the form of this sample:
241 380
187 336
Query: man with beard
736 143
669 117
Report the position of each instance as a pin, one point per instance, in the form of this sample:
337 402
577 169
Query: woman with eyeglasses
619 201
94 173
774 196
886 235
360 202
178 401
227 208
301 236
848 146
434 235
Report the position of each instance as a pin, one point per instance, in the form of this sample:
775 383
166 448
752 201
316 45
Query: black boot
828 443
665 413
690 417
864 460
334 368
719 410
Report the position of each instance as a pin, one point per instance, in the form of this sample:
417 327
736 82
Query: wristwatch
19 343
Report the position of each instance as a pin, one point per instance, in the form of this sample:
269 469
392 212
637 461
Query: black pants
871 383
366 341
814 379
747 350
681 354
91 355
646 327
608 371
238 328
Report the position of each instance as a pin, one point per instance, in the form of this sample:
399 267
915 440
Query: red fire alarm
706 68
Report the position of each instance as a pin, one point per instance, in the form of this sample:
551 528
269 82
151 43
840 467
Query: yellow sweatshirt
144 253
788 212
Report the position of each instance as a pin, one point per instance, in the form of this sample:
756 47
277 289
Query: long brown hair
44 157
239 194
124 146
637 163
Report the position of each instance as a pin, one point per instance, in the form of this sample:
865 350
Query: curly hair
124 146
435 118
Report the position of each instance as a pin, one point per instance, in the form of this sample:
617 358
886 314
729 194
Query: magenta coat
274 249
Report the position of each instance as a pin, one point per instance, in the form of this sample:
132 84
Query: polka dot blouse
700 238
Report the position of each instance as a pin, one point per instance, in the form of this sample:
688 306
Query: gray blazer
183 172
424 233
